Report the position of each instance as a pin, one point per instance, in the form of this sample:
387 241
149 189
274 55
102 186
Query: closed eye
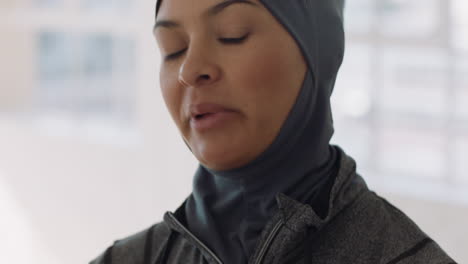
227 41
233 40
174 55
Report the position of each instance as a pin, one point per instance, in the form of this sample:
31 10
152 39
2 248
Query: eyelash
227 41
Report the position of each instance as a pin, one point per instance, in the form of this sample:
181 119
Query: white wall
68 200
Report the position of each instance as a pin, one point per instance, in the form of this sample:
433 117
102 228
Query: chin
217 162
220 159
222 152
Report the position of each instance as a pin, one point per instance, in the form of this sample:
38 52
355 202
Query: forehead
203 7
174 12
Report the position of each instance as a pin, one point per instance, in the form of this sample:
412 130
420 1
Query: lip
207 108
213 115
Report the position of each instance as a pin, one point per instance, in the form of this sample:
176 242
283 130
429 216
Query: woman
248 84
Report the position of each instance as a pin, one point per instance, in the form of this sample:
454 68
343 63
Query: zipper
268 241
196 239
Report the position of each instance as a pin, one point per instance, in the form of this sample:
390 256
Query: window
414 82
461 97
460 26
401 98
84 77
397 18
48 3
108 5
78 59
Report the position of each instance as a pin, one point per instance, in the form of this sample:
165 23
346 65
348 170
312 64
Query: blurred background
89 154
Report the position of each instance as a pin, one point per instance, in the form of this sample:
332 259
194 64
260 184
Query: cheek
265 78
267 81
265 70
172 94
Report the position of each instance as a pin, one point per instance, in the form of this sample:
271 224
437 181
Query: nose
199 68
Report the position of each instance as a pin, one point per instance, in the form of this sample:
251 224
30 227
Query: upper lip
206 108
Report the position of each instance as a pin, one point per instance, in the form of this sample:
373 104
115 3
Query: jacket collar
347 186
298 217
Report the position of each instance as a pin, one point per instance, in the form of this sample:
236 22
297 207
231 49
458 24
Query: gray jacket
360 227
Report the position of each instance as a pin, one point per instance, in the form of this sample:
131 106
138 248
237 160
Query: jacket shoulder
419 247
372 230
136 247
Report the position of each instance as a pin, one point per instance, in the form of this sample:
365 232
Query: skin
259 78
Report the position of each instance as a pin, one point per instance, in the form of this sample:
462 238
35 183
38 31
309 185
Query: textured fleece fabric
359 227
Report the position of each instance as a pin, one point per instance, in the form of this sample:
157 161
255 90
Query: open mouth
201 116
203 122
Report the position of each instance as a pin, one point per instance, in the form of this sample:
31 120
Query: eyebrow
212 11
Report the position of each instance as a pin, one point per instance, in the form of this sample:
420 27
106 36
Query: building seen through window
401 99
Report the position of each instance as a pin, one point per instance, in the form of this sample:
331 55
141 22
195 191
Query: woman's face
256 77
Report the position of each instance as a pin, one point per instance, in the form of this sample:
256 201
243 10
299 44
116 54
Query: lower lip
211 121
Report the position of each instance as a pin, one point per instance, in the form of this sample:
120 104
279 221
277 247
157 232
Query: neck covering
227 210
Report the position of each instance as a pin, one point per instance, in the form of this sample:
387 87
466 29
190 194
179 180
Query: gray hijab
227 210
